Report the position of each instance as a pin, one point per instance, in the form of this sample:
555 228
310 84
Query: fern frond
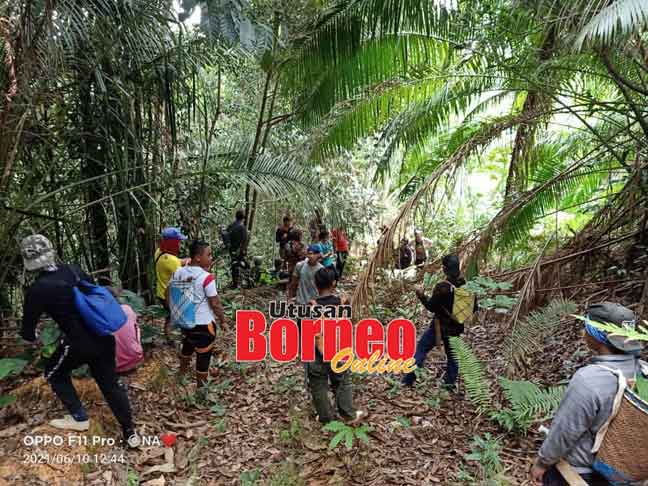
528 401
478 386
528 335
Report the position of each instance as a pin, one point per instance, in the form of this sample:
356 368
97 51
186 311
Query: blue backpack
99 309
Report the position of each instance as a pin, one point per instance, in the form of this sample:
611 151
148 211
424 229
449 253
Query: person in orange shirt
341 247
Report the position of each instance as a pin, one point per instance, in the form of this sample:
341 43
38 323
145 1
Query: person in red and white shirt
341 247
200 339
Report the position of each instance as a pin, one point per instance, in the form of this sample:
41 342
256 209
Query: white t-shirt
203 288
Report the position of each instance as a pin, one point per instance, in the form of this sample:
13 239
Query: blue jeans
423 347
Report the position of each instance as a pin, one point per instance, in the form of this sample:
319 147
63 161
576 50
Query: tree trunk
93 164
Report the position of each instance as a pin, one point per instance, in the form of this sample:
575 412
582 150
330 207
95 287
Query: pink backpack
128 348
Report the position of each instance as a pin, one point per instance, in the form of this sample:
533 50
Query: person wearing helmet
589 398
52 293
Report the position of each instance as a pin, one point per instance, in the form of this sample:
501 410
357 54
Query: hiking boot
69 423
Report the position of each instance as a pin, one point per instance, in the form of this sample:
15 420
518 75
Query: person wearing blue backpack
194 304
68 296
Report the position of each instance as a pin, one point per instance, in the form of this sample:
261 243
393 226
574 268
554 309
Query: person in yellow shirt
166 263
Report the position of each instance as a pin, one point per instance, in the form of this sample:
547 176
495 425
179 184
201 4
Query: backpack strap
161 253
622 385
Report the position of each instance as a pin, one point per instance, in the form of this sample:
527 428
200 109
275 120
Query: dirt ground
257 425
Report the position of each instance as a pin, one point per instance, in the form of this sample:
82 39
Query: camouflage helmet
37 252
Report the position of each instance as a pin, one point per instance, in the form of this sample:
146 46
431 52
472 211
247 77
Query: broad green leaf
334 426
11 365
50 334
348 439
336 440
642 387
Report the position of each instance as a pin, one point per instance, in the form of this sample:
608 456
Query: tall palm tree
482 69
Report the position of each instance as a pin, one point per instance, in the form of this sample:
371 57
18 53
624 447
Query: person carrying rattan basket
590 431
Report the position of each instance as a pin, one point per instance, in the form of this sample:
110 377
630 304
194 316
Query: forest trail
257 425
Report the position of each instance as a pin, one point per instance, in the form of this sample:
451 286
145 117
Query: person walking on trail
341 247
166 263
441 303
237 236
405 254
52 293
304 275
295 252
588 401
419 248
281 235
320 372
314 225
200 299
328 255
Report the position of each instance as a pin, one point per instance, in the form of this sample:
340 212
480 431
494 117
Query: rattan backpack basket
621 445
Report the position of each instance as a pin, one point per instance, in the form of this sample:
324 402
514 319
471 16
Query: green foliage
528 336
611 21
286 474
293 432
6 400
149 333
346 433
403 421
395 386
220 425
9 366
132 479
486 450
638 334
136 302
218 409
641 387
153 312
49 337
477 385
529 404
482 287
250 478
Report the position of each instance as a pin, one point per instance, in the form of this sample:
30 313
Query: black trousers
341 261
237 261
102 368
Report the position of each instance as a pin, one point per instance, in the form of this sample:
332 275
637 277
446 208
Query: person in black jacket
237 235
440 303
282 235
52 294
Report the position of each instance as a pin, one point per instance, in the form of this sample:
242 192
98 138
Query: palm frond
488 131
619 18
